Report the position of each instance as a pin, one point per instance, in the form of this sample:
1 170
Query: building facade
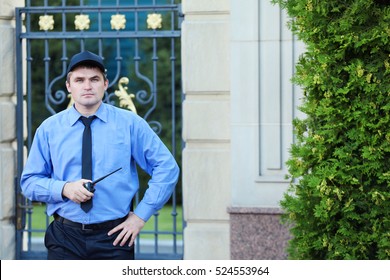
238 60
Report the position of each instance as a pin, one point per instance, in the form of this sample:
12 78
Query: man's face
87 87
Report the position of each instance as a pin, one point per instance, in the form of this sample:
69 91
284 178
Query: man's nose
87 84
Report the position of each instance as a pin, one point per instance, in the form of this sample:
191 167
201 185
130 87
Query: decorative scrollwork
143 97
46 22
154 21
156 126
118 22
125 99
71 101
82 22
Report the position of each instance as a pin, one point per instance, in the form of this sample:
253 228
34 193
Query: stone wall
257 234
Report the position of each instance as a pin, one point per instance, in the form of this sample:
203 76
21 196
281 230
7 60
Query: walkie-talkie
90 186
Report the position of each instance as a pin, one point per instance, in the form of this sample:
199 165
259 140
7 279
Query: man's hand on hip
130 228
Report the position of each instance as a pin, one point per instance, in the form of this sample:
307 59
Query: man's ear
67 86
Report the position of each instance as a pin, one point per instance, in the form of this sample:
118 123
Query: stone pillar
7 128
206 129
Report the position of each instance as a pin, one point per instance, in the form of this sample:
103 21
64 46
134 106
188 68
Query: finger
119 238
86 192
132 239
77 198
115 229
81 197
125 238
84 198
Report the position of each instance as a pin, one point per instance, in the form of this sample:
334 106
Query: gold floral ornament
118 22
125 99
46 22
154 21
82 22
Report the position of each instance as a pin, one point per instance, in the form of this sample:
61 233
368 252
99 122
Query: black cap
86 58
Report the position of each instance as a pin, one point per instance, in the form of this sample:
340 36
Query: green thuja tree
338 203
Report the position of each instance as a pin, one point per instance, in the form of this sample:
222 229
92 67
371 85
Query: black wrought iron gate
139 40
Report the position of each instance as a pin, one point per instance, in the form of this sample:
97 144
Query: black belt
99 226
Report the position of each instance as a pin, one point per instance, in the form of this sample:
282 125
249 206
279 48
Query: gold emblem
46 22
118 22
82 22
154 21
125 99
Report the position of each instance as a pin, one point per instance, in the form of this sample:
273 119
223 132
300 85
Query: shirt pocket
116 152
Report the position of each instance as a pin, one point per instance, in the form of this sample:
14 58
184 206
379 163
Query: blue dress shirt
120 138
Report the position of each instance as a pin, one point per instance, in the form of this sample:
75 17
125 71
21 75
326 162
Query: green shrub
338 203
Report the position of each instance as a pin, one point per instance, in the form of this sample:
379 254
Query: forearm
43 189
161 187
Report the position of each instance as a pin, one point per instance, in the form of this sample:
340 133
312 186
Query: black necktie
86 157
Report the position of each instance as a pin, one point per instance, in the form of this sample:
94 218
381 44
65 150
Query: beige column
206 129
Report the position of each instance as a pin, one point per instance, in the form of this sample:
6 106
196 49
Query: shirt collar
101 113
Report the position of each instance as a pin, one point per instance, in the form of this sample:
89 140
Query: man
97 222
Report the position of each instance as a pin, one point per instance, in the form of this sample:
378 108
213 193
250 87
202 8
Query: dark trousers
65 242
